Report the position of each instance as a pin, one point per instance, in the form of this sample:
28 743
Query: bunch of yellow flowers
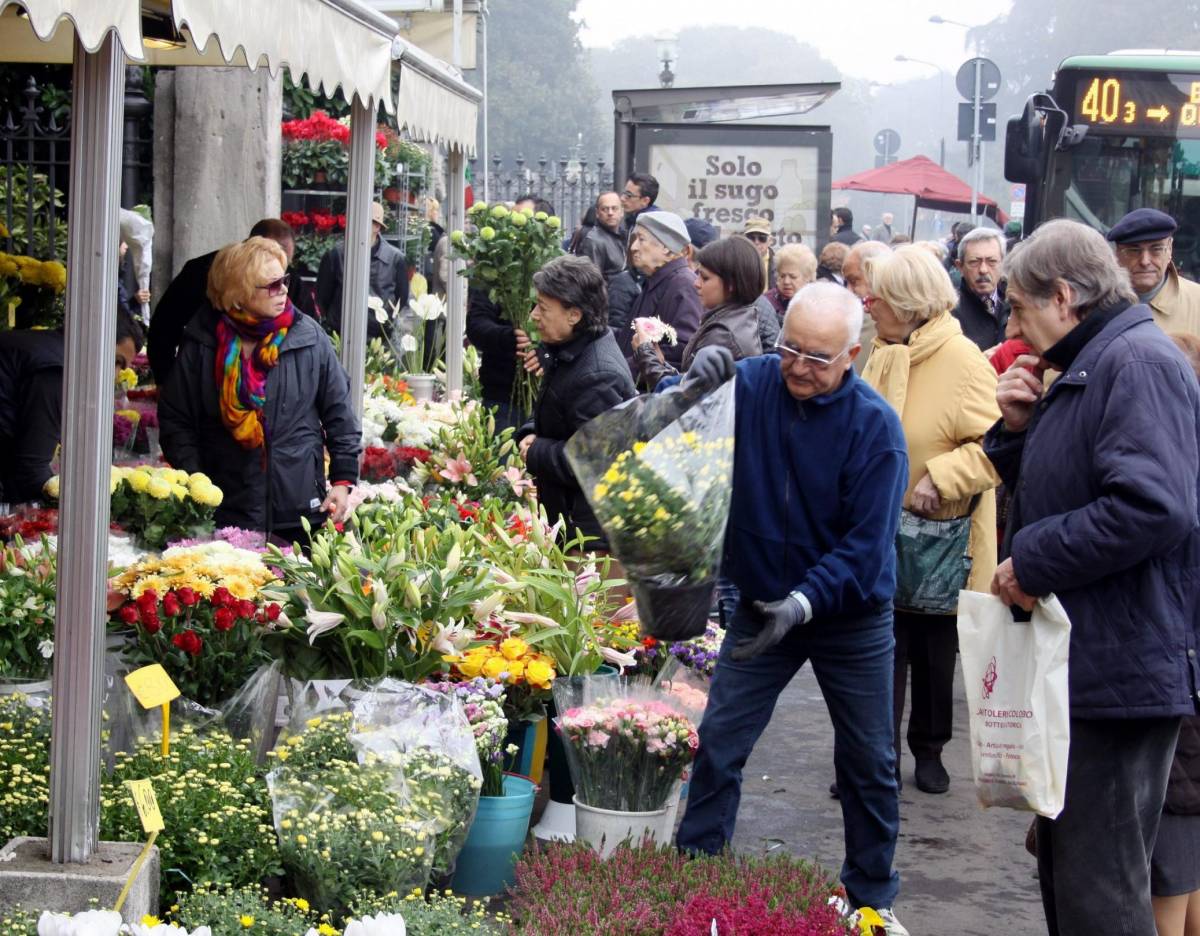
33 272
511 660
161 483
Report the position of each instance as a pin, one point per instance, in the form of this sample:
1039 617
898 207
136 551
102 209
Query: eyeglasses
756 237
788 353
1135 251
976 262
277 287
629 194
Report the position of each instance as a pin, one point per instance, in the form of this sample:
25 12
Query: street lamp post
668 54
941 99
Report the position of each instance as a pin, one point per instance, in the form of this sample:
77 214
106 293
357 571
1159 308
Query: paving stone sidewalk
963 869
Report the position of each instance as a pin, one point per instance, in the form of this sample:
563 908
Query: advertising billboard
730 174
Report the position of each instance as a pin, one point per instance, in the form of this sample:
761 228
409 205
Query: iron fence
35 153
570 185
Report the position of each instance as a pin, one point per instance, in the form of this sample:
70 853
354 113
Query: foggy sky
861 38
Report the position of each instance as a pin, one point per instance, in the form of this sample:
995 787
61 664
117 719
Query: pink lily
520 483
457 470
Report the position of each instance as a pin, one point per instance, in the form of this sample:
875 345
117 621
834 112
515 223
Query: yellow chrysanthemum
158 489
139 481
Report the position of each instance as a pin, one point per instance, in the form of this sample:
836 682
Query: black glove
711 367
778 617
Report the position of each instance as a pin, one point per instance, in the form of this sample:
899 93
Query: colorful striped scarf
242 381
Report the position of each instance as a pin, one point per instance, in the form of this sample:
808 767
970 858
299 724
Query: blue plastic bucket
486 865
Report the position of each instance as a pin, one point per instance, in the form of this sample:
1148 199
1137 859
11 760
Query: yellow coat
946 391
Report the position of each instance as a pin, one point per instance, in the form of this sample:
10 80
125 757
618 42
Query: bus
1114 133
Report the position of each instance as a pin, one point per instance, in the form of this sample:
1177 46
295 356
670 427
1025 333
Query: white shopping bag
1016 678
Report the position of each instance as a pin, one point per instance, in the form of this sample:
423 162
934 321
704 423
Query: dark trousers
1094 859
852 660
928 643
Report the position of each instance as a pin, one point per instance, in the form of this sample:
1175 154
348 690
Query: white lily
89 923
380 605
386 924
528 617
408 344
321 621
482 609
450 638
617 658
375 304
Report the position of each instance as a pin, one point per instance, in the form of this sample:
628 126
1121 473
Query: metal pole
975 139
487 195
456 287
357 278
93 230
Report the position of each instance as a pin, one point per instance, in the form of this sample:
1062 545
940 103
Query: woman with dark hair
729 281
256 398
584 374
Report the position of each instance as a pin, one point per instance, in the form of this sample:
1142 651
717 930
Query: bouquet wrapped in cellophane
658 472
627 742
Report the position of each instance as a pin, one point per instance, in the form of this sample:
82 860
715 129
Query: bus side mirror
1023 146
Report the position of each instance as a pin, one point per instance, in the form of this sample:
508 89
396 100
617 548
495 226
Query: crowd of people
1036 408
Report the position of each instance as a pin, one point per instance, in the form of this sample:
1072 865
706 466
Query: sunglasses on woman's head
277 287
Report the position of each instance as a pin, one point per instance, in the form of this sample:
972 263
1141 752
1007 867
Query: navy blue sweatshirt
817 490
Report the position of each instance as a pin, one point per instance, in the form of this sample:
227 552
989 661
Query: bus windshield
1104 177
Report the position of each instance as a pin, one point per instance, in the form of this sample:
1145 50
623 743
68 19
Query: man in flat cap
758 232
1144 239
657 250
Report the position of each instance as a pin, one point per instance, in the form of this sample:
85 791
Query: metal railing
570 185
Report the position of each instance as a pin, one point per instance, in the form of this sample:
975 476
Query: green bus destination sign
1141 104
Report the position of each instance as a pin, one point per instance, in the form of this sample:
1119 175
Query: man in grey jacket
389 277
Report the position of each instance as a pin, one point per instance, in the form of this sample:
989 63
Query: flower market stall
334 43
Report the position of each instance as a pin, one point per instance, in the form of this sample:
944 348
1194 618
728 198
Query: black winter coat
496 338
623 291
183 299
1105 515
1183 788
983 328
389 281
31 388
584 377
307 411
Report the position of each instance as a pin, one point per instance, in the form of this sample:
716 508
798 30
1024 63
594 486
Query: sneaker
931 776
892 926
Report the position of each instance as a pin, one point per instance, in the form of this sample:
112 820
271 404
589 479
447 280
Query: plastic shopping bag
657 471
1016 678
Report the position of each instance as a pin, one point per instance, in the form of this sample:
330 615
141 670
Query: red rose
151 624
129 614
223 620
245 609
171 604
273 611
188 596
147 600
221 597
188 641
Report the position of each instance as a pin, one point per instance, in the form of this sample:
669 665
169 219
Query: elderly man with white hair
820 472
982 311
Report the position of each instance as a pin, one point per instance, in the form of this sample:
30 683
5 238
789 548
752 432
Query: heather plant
569 890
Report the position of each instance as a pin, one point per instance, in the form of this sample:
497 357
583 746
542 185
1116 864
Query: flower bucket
605 829
486 864
530 738
421 387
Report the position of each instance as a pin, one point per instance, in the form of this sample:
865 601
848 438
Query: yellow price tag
146 803
152 686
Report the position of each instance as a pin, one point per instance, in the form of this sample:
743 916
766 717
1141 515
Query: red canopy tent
932 186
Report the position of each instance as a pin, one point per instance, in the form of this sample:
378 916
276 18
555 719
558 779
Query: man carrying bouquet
820 469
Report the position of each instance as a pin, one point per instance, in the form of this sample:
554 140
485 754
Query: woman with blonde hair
256 398
945 392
